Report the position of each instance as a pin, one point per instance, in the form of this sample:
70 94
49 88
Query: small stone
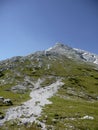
88 117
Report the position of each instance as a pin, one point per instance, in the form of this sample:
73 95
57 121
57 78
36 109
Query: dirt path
31 110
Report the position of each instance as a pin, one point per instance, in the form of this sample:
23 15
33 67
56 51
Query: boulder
7 102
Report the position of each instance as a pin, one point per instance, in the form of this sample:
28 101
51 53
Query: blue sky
27 26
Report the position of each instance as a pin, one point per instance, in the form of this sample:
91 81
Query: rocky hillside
55 89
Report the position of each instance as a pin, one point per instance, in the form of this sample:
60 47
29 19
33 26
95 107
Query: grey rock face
87 56
76 54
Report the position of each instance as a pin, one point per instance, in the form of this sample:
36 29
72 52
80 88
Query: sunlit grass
64 113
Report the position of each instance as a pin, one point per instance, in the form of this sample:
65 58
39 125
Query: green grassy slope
77 98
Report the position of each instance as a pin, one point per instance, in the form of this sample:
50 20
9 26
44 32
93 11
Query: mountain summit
59 48
73 53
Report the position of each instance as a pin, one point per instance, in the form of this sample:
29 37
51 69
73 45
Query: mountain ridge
61 49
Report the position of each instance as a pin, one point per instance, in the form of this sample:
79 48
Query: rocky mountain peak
73 53
59 46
